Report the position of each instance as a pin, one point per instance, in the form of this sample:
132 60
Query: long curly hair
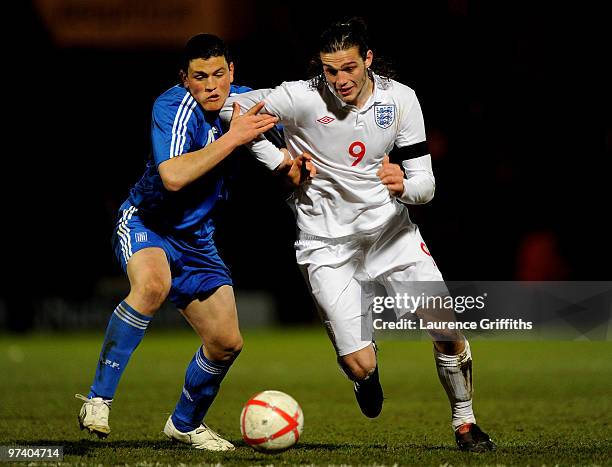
343 35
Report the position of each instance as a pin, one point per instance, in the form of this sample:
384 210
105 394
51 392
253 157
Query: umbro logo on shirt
325 120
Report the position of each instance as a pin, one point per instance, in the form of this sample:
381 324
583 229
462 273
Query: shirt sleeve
173 127
419 183
411 125
246 101
278 102
281 102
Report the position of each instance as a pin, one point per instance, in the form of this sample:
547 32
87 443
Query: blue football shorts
195 264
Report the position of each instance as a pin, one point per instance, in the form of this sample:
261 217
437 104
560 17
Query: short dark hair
343 35
204 46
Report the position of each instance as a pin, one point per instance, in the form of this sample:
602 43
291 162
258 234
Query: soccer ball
271 421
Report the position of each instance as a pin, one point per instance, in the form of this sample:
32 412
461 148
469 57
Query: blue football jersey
178 126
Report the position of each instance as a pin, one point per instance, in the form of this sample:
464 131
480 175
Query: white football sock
455 372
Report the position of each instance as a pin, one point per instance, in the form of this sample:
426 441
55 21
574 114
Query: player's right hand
302 169
392 176
245 128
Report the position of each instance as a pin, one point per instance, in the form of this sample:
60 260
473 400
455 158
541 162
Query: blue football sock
202 383
125 330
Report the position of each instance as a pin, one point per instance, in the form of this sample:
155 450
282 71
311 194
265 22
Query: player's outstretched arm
179 172
275 159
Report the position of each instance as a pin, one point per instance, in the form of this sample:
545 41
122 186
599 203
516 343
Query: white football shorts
334 268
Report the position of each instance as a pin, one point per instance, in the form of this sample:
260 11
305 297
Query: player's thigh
400 261
338 297
215 320
198 272
143 255
400 253
331 269
148 271
422 282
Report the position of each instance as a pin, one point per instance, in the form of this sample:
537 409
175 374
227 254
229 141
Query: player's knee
363 372
152 291
225 348
450 345
235 347
448 342
357 369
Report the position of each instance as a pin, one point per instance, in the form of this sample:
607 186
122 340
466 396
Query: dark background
513 107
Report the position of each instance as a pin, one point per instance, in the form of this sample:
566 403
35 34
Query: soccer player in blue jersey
164 242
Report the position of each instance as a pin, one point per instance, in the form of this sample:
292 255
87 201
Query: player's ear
183 77
368 59
231 72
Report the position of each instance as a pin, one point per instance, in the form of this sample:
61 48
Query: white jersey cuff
419 184
266 153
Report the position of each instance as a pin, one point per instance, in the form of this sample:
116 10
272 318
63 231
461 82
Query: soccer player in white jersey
352 215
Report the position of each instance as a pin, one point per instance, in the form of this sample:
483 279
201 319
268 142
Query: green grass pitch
544 403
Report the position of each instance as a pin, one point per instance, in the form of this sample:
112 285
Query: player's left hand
302 169
392 176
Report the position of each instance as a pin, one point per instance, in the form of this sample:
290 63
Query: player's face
347 73
209 81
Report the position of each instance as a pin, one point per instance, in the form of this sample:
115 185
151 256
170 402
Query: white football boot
200 438
94 415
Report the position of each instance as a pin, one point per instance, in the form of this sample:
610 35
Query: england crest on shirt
384 115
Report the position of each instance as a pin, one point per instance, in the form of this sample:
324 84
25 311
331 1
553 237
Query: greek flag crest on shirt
384 115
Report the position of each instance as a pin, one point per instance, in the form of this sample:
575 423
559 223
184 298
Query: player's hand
245 128
392 176
302 169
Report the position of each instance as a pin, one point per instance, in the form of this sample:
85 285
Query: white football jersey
347 144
